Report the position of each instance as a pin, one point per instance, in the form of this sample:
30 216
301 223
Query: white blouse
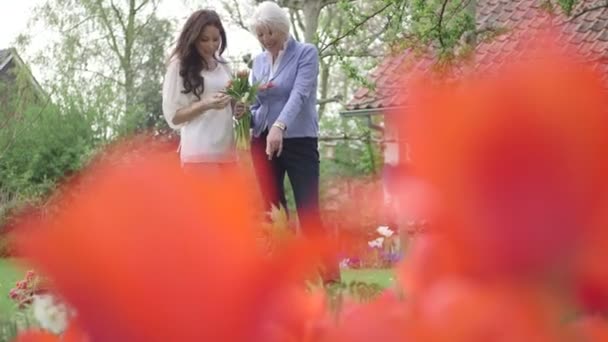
277 61
208 138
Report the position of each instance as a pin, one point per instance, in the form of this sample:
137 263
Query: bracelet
279 125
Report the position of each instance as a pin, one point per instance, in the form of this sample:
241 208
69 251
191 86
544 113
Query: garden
491 227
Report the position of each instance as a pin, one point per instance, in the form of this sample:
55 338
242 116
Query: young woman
193 101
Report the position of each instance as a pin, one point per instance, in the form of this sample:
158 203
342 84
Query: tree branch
402 11
98 73
119 16
440 22
463 5
335 98
106 23
344 136
143 3
365 42
299 4
234 11
357 54
355 27
329 17
586 10
152 15
331 2
240 15
75 26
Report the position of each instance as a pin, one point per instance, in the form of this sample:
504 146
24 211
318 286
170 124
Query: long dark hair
192 63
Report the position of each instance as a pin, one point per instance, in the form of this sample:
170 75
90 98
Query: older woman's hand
240 108
274 142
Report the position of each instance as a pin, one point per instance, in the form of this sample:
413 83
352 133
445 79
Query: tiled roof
588 34
4 55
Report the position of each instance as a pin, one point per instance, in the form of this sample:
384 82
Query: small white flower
385 231
377 243
51 315
344 263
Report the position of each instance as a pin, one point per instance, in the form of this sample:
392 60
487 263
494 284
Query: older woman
284 117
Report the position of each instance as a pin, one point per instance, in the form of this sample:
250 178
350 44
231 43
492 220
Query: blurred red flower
517 160
146 252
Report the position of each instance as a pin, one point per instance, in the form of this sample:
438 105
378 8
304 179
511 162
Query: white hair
269 14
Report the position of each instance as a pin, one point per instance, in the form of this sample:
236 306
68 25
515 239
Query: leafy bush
39 147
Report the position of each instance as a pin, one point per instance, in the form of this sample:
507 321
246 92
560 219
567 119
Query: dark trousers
300 161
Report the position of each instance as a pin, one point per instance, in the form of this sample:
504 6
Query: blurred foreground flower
517 161
517 169
145 252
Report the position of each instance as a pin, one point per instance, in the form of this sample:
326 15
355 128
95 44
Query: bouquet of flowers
240 90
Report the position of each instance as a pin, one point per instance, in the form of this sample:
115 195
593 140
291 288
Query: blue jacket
293 99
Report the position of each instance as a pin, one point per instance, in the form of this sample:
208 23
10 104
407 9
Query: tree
102 73
108 53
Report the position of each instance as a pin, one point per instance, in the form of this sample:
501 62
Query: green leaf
567 5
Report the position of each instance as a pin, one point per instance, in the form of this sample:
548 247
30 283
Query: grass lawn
9 275
383 277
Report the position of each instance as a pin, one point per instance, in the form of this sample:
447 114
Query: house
12 71
586 31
